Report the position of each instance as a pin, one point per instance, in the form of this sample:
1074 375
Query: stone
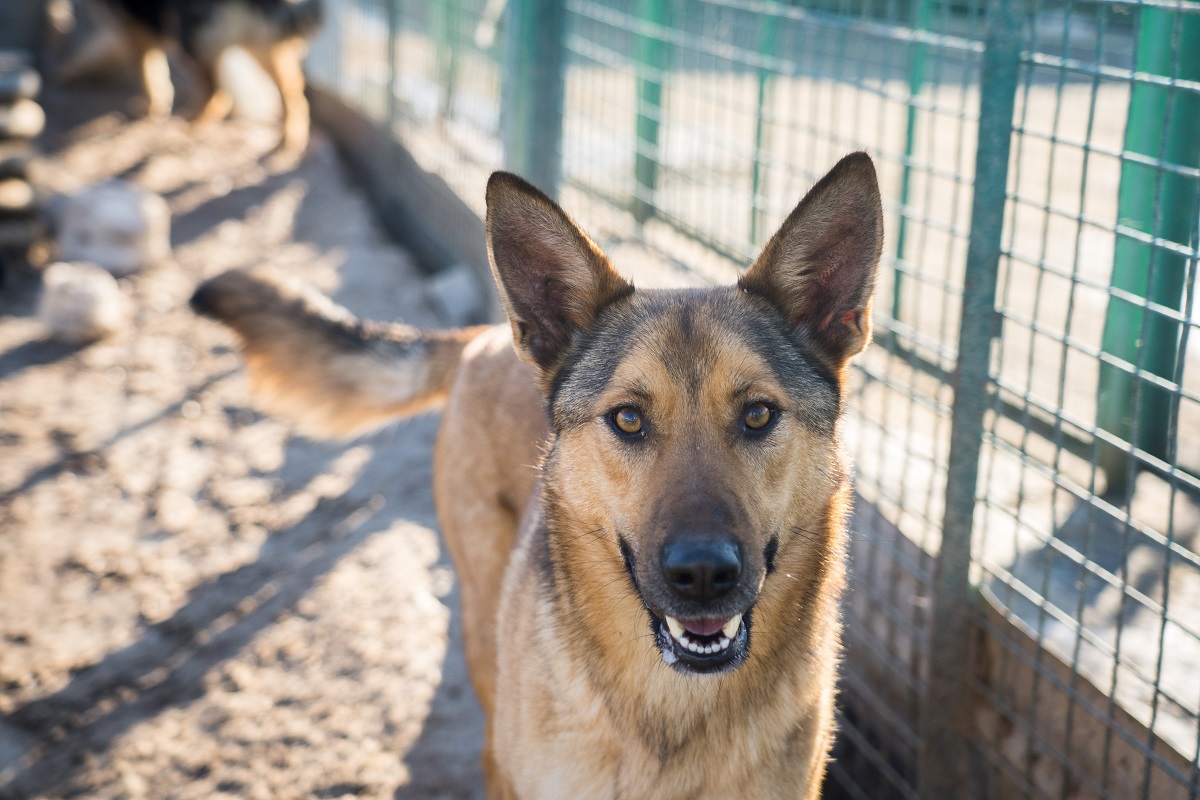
16 197
23 119
81 303
118 225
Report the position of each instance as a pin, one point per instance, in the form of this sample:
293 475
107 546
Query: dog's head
695 431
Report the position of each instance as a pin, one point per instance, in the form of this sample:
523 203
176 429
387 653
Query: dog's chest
559 735
582 762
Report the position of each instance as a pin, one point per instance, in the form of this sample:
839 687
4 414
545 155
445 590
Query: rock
81 303
16 197
117 225
457 294
23 119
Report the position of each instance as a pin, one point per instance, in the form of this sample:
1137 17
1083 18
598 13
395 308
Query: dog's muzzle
701 574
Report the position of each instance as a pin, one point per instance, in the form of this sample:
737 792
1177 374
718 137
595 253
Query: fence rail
1024 618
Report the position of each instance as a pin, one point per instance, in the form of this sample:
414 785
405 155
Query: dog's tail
298 18
313 362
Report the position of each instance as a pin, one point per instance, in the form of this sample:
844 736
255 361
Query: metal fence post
443 20
945 715
768 33
393 28
918 52
653 56
1157 202
535 59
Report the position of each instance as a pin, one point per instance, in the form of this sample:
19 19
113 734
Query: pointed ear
553 279
819 268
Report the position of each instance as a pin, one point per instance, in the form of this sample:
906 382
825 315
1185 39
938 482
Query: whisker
804 533
596 534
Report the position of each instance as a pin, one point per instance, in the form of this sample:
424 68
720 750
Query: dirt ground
194 602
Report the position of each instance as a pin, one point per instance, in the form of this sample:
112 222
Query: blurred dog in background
274 32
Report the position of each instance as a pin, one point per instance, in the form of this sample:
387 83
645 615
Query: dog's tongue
703 626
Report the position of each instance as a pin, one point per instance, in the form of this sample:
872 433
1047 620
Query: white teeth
681 636
723 641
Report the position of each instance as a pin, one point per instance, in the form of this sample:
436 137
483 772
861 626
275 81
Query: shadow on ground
193 602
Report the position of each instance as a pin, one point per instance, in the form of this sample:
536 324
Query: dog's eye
627 420
758 417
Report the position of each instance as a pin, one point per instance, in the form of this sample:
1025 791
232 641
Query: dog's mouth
702 644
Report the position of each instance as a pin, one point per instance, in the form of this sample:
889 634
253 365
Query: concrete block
457 295
81 303
122 227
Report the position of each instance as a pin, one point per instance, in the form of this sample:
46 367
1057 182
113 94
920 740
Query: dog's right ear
553 279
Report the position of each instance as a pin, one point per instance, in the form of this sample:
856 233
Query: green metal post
918 52
1162 204
393 24
945 712
767 36
653 57
535 58
442 22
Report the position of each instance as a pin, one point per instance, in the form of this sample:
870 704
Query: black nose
701 568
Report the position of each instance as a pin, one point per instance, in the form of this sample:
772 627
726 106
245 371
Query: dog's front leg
156 78
282 62
498 788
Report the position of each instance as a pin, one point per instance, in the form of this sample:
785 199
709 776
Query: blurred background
1024 612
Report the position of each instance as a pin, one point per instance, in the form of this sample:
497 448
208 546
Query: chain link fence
1024 617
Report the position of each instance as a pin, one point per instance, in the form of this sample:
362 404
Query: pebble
81 303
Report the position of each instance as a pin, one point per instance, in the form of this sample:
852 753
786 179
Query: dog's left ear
819 268
553 279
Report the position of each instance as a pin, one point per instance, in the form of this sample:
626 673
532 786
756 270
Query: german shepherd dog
274 32
645 498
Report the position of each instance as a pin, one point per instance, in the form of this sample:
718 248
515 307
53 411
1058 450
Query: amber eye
627 420
757 416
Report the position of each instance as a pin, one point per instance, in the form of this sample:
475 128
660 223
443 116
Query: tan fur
580 701
312 361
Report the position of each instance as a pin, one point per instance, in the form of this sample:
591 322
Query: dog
644 491
274 32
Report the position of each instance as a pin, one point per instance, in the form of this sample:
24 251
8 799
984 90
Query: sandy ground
193 601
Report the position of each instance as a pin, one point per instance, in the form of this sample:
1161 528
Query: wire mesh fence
1024 618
